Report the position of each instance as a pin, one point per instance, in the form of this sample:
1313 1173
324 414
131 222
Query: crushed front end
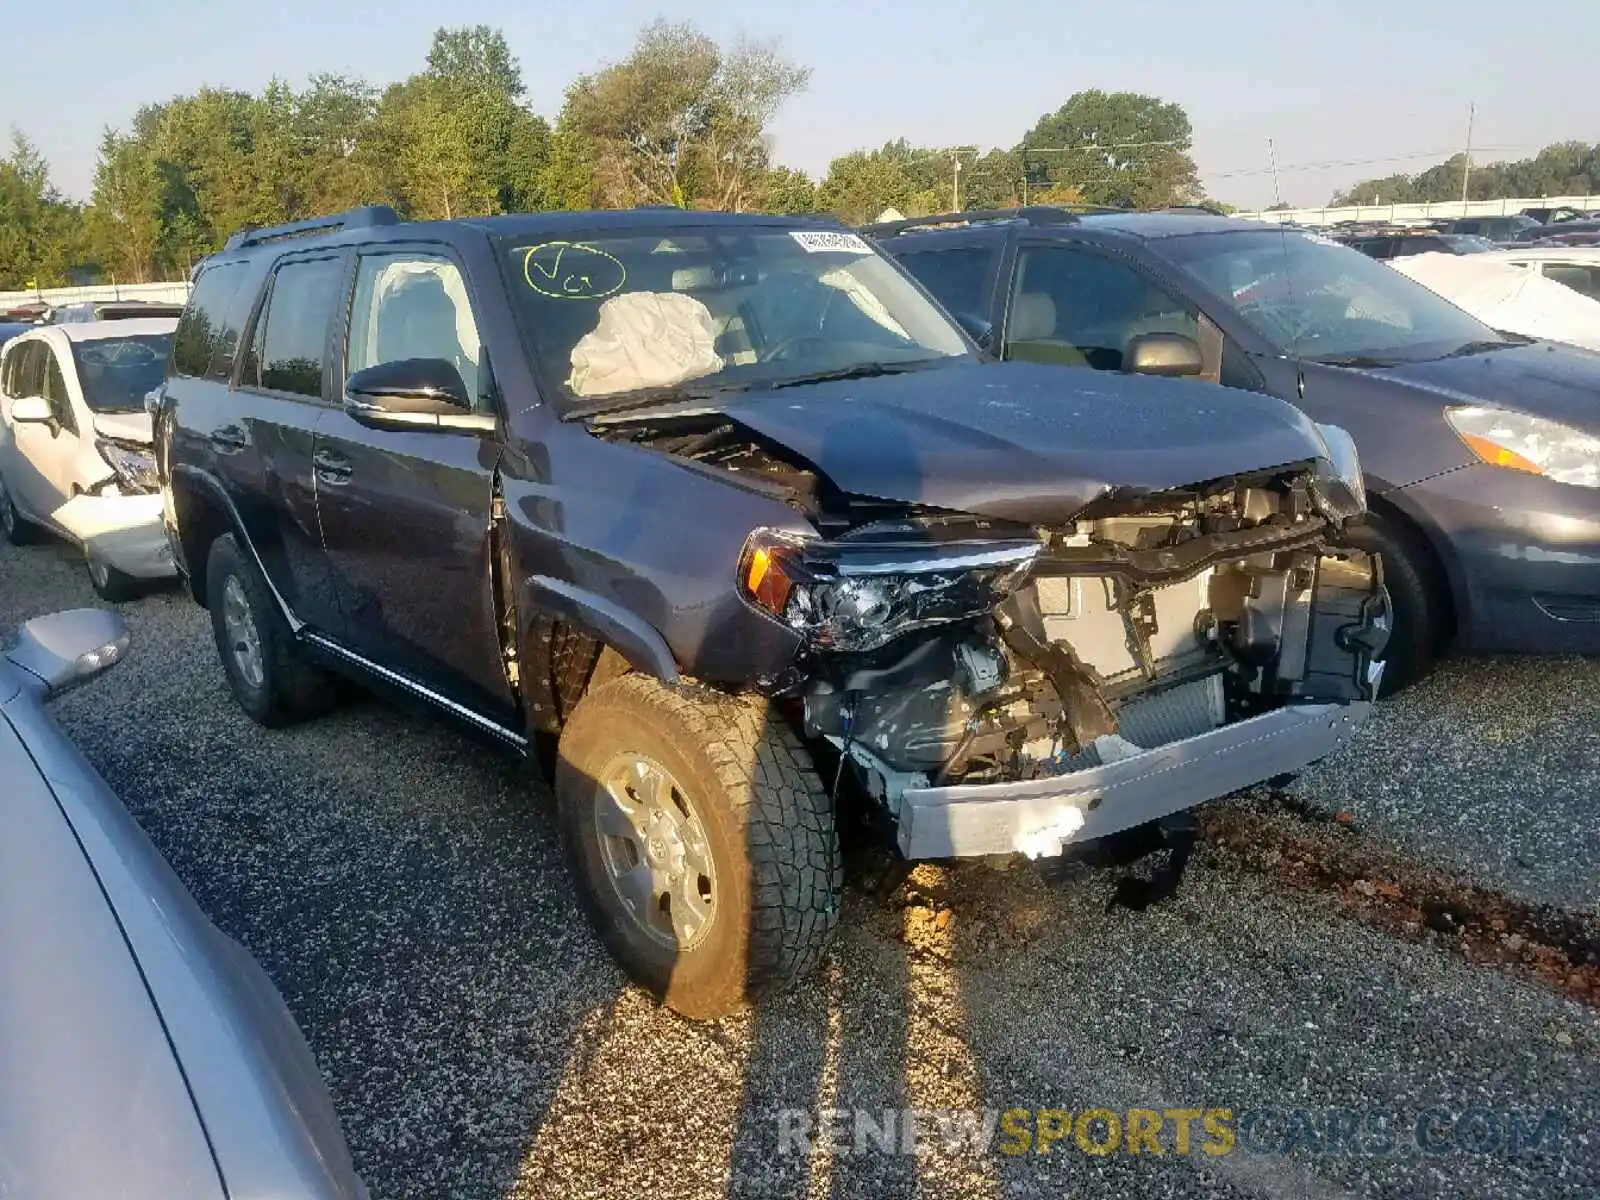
1002 687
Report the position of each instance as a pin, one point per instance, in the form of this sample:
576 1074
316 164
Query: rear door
264 446
406 514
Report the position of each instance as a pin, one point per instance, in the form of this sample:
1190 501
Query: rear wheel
1417 595
108 582
17 531
703 840
266 670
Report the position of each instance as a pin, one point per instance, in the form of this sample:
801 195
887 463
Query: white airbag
645 340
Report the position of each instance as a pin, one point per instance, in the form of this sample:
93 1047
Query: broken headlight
1338 488
1502 437
135 468
859 596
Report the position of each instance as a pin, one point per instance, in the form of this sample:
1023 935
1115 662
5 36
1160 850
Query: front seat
1031 337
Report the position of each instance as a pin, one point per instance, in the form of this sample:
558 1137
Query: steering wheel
783 348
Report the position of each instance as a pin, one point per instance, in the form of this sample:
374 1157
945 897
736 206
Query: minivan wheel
18 532
703 839
108 582
1416 595
266 670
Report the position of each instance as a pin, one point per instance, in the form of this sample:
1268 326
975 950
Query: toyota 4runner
733 508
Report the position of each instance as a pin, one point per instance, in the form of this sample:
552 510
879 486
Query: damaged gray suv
730 510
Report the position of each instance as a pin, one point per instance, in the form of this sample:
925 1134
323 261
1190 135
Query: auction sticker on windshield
820 241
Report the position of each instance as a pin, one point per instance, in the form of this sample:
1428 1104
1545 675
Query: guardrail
172 293
1412 212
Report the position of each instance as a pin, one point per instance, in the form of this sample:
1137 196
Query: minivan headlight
1519 441
847 597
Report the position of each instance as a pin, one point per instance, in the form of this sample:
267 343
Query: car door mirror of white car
32 410
65 649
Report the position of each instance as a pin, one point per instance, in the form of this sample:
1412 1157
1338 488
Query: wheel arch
1393 508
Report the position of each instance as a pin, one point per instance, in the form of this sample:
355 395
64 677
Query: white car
75 445
1577 267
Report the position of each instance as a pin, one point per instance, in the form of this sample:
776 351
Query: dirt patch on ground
1312 850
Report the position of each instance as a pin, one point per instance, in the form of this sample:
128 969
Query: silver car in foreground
142 1052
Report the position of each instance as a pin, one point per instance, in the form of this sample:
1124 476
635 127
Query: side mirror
32 410
1169 354
977 328
65 649
412 393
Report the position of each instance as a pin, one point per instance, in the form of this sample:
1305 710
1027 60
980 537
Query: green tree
478 56
786 190
1119 148
861 184
41 235
126 212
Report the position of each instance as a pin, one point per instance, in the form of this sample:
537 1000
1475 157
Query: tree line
680 120
1563 169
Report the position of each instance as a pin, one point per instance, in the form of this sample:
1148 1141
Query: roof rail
356 218
1033 214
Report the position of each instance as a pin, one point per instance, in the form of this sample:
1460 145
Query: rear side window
293 332
955 277
205 341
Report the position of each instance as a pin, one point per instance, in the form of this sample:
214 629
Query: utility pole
1466 162
955 182
1272 152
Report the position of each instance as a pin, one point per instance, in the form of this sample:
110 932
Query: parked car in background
1551 216
1563 229
1495 229
1389 242
1482 451
1508 297
113 310
729 505
75 445
1576 267
146 1054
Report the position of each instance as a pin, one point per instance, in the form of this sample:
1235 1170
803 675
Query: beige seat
1032 334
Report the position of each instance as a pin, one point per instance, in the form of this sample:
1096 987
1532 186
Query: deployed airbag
645 340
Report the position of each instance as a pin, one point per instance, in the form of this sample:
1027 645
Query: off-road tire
769 827
1417 596
292 689
109 583
17 530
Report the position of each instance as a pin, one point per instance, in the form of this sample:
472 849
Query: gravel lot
403 886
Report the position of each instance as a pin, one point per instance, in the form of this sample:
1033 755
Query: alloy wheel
244 641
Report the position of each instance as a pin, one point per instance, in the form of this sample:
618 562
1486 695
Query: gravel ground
1491 766
403 886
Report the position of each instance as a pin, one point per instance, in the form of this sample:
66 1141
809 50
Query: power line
1351 162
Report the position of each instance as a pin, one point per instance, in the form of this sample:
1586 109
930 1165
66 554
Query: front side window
116 372
55 391
294 328
409 306
1579 278
1311 297
713 309
1075 308
29 379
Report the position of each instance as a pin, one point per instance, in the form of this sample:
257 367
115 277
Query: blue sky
1329 82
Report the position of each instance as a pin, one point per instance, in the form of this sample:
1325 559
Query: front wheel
703 839
17 531
108 582
1416 596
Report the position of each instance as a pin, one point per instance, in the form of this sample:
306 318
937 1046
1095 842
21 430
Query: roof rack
1033 214
356 218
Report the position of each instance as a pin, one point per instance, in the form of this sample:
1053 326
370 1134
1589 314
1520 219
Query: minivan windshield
622 318
1313 298
116 372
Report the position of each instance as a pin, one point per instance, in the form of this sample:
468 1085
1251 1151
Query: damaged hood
1024 442
125 426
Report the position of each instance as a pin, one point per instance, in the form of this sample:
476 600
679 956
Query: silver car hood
93 1102
250 1074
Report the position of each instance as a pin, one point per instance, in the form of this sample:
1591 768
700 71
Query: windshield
1313 298
116 372
616 318
1467 243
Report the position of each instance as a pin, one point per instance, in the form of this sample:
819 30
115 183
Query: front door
406 515
39 466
